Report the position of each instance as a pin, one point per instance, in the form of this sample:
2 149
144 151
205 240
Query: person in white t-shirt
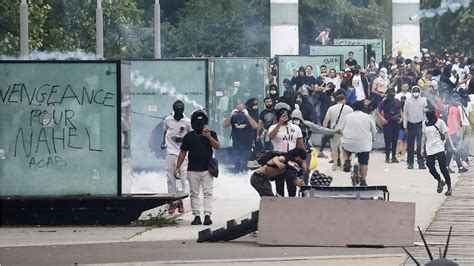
434 132
334 78
175 126
404 92
285 136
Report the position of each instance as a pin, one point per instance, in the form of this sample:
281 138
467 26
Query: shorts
362 157
402 136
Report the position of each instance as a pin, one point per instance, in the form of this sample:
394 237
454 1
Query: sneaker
450 170
339 162
449 192
462 170
347 166
322 155
331 161
335 167
172 208
387 160
363 183
197 220
395 160
255 234
410 166
207 220
422 167
464 164
441 184
181 207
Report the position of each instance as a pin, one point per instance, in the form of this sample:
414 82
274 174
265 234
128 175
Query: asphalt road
168 251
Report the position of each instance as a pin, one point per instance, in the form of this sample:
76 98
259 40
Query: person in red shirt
454 131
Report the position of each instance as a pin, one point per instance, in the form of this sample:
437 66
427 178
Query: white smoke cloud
155 85
445 6
55 55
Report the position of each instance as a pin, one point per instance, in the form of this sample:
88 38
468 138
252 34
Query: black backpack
264 156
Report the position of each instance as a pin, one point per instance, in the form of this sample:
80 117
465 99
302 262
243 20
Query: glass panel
358 50
234 80
155 86
287 63
58 128
377 45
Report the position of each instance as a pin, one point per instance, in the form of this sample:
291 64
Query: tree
453 31
367 19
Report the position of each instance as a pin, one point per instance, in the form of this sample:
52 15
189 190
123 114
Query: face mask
255 107
295 122
383 74
416 94
273 92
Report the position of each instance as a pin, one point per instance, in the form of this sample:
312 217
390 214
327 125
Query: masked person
265 120
289 165
413 116
243 127
285 136
434 133
274 93
252 107
198 145
390 113
380 87
176 126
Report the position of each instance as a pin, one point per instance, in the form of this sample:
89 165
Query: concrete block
335 222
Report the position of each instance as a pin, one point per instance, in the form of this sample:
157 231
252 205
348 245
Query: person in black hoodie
289 95
252 107
390 113
274 93
297 81
446 86
243 126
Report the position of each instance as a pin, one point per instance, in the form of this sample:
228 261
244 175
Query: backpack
264 156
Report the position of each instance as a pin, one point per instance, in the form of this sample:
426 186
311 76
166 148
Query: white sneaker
464 164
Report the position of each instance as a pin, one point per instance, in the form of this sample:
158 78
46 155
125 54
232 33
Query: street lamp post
99 27
157 30
24 51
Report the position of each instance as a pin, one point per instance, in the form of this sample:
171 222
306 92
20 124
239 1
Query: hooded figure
252 107
178 109
274 93
198 120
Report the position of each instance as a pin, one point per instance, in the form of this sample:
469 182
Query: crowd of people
420 105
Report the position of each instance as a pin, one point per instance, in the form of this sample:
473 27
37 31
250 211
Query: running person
434 132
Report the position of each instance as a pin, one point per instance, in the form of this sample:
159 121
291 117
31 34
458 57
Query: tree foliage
366 19
213 28
453 31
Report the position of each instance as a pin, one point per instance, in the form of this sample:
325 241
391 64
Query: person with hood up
198 145
413 117
252 107
274 93
434 133
243 128
176 126
297 80
289 95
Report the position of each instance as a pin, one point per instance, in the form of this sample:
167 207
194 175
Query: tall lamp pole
99 27
157 30
24 52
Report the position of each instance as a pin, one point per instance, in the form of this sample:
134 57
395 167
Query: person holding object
243 126
434 132
198 145
176 126
288 165
285 136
